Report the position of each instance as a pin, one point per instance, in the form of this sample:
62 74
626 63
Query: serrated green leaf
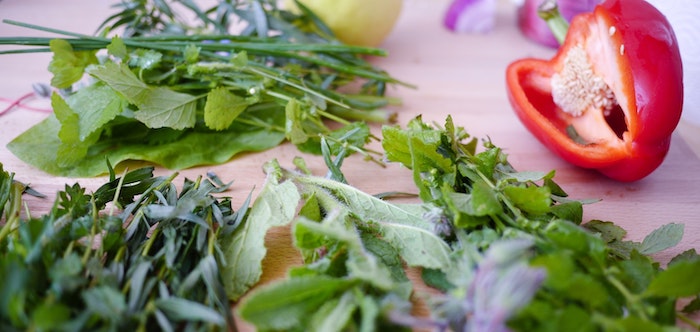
689 255
222 108
144 59
679 280
191 53
95 105
68 66
71 149
662 238
607 230
120 78
572 211
163 107
526 176
117 48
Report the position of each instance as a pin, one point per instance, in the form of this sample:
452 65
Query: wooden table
457 74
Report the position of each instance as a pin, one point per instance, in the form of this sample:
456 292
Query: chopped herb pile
507 250
179 93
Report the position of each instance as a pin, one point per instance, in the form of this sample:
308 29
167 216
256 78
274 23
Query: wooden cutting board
461 75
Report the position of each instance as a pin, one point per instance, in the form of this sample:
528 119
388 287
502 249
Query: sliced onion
535 28
471 16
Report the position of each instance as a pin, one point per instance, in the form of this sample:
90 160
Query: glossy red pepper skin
632 46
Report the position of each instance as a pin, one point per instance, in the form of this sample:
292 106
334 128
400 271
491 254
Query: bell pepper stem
549 11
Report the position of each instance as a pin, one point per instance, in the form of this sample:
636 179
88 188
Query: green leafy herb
594 278
281 77
153 263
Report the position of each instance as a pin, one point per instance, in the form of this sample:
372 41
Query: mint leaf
662 238
68 66
222 108
245 248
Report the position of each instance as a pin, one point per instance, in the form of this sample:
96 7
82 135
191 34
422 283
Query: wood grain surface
456 74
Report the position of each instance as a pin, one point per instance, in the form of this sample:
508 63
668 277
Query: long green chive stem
549 11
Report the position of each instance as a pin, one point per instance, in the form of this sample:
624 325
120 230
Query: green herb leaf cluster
508 250
595 280
354 246
134 255
181 94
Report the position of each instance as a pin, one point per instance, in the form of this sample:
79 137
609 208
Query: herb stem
262 73
632 299
13 214
149 243
685 319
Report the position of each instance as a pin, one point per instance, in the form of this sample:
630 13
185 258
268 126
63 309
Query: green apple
356 22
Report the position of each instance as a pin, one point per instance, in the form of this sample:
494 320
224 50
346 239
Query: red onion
535 28
471 16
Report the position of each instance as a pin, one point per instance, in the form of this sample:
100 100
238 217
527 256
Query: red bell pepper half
612 95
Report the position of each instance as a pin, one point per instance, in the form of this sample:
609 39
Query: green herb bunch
180 93
505 250
134 255
593 279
